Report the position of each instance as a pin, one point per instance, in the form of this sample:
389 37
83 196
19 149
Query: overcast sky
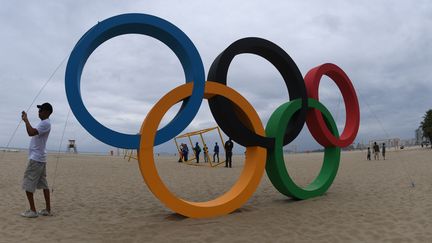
385 47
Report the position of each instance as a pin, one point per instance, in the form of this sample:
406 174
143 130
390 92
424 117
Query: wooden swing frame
200 133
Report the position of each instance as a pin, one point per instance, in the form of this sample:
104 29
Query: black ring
225 113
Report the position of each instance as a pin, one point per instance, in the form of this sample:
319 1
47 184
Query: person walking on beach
35 173
376 151
228 153
205 148
180 153
197 150
185 152
216 152
368 154
383 150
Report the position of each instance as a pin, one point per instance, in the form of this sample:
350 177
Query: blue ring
143 24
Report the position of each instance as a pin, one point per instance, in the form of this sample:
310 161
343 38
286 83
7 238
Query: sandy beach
104 199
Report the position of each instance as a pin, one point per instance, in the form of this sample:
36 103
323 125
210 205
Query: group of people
184 150
376 151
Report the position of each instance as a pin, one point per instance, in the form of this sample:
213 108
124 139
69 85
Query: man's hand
24 116
30 130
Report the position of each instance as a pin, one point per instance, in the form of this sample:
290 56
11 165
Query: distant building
408 142
360 146
419 138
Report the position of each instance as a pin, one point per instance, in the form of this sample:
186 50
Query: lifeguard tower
72 147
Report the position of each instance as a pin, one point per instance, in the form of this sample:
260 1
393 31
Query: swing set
205 153
130 154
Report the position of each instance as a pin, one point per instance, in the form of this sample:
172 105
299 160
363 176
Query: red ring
315 121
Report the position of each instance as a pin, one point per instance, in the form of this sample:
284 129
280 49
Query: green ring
275 166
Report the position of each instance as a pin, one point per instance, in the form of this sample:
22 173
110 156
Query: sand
104 199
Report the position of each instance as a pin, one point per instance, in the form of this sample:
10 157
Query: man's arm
30 130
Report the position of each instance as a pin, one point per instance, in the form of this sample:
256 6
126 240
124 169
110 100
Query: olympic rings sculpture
264 147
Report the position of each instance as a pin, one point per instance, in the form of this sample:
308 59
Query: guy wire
58 152
37 95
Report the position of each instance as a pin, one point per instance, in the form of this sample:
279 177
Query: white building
419 136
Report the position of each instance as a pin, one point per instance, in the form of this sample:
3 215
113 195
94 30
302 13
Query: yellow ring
249 178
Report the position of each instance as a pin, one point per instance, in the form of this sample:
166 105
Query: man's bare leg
31 201
47 199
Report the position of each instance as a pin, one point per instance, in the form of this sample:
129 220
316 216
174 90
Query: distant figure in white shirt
35 174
